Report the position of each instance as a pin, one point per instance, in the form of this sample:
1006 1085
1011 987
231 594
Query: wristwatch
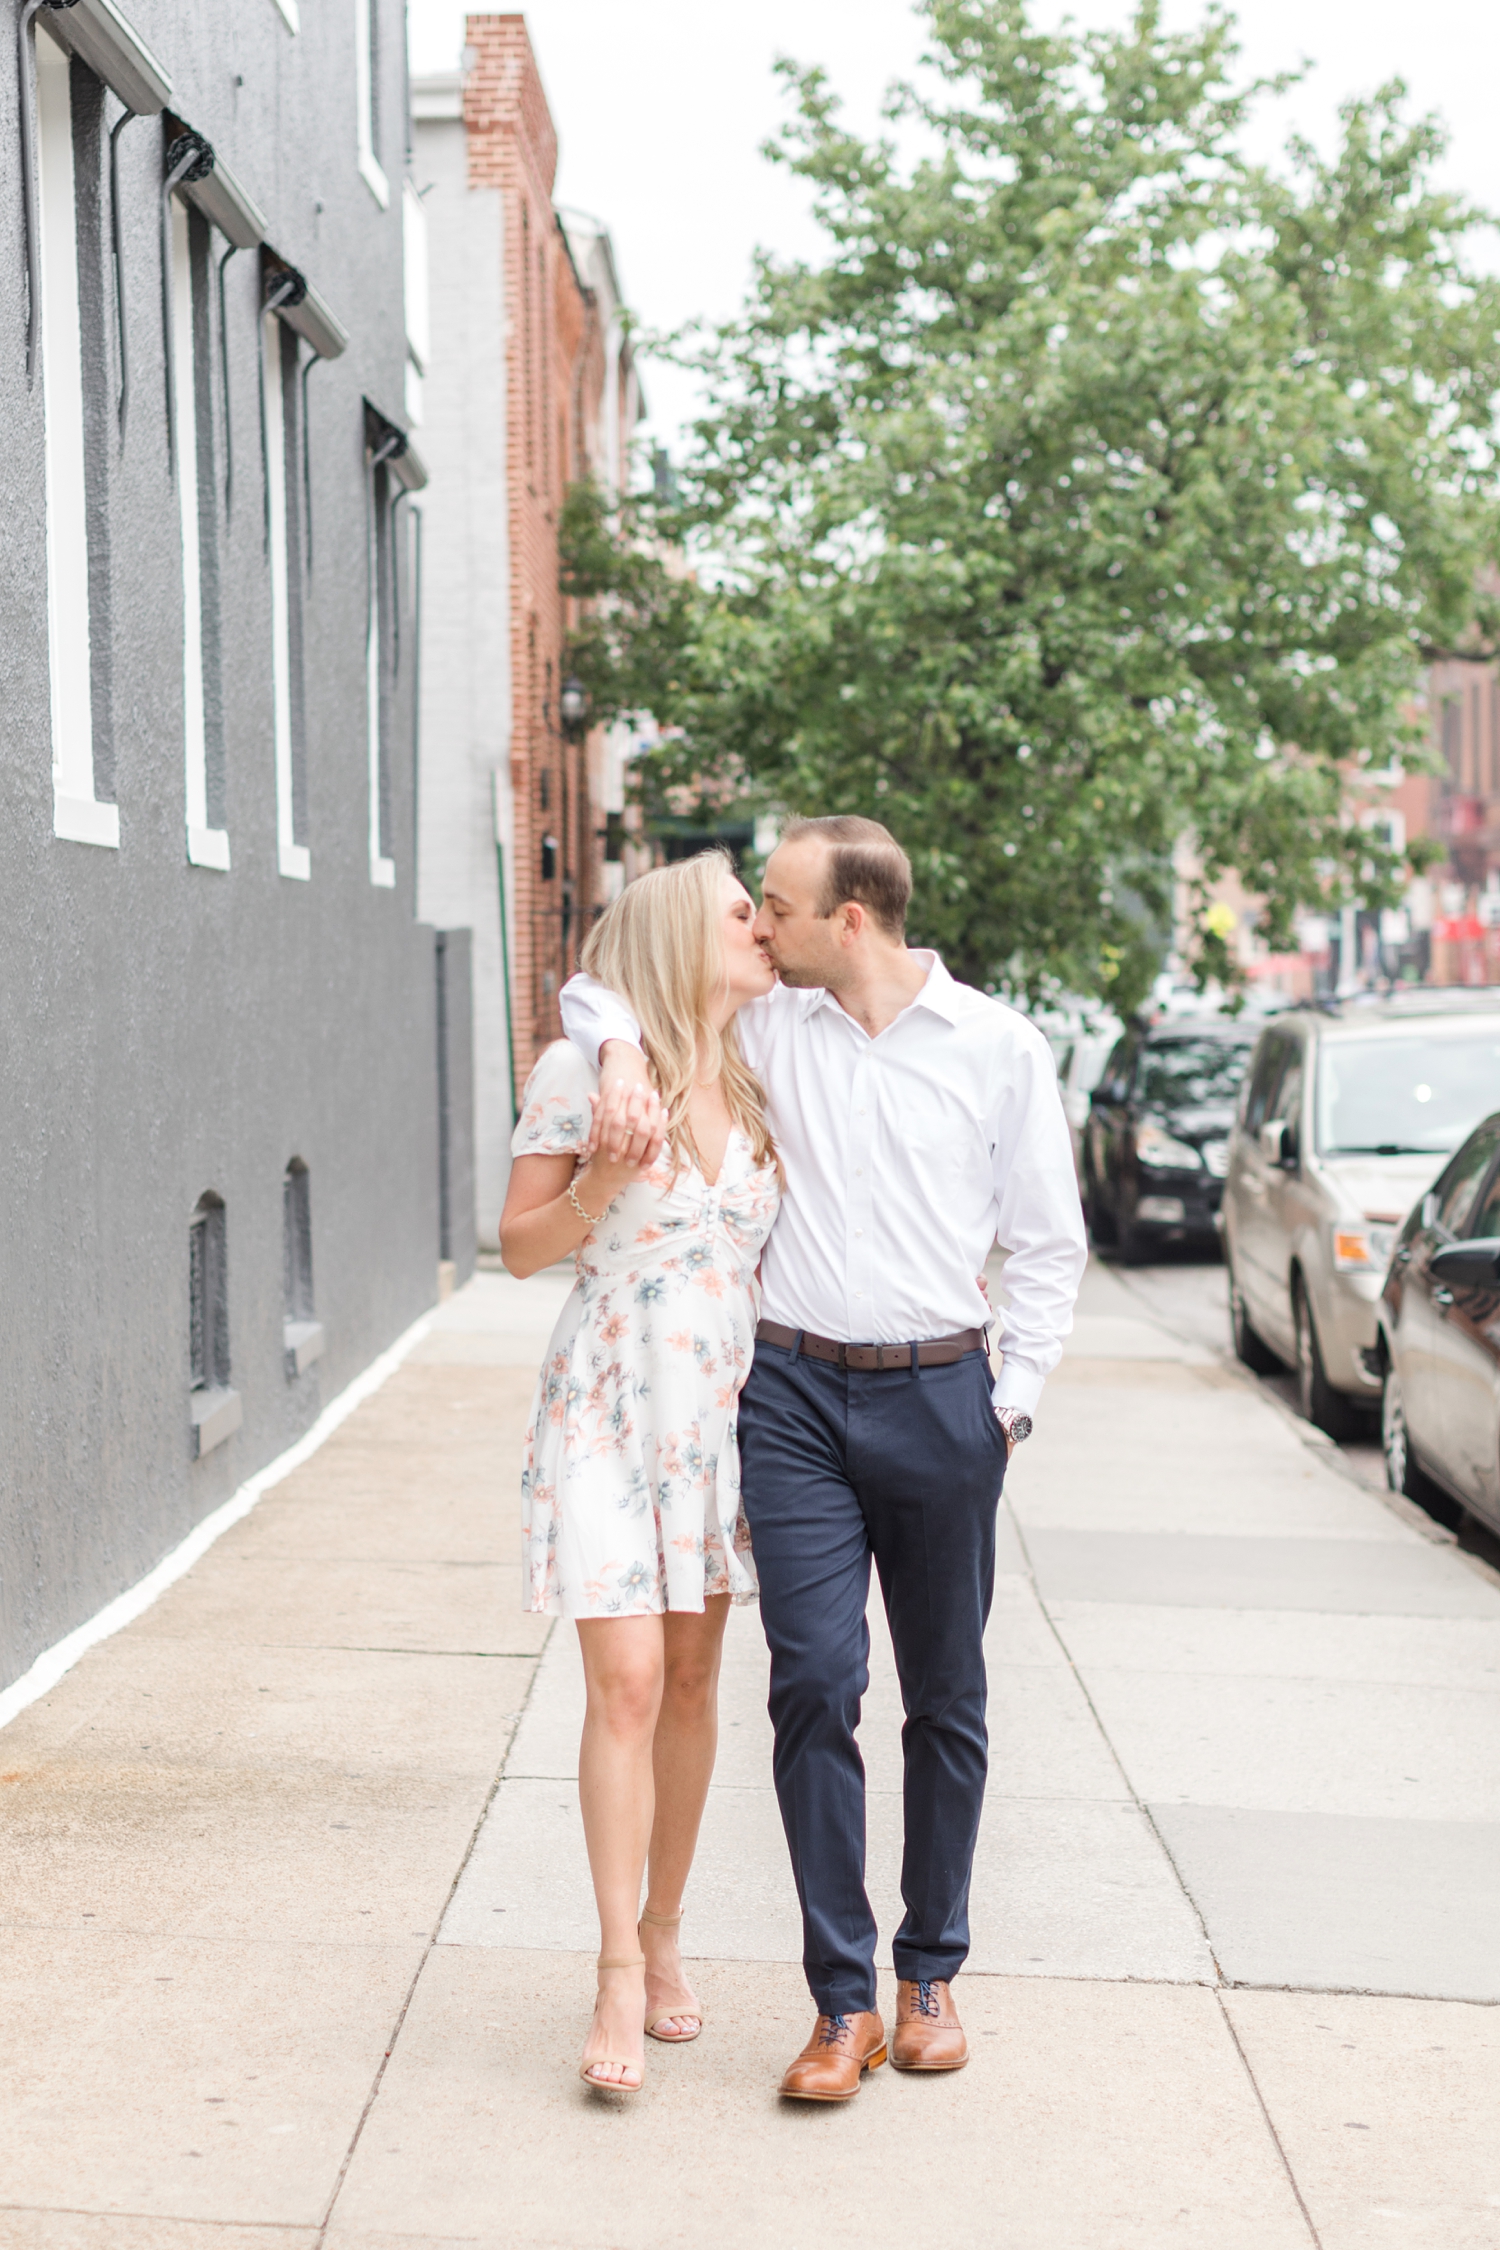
1016 1425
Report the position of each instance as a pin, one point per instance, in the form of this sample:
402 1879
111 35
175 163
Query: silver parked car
1345 1118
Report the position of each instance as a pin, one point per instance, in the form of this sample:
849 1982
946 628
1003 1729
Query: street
299 1935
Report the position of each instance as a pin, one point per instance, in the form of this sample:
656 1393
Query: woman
632 1523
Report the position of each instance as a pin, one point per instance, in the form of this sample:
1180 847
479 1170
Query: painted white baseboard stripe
136 1600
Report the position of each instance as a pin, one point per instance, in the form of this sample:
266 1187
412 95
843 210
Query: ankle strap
661 1921
622 1960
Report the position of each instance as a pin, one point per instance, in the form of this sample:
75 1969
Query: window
1484 1219
281 421
198 516
296 1241
367 97
77 811
382 597
209 1325
1454 1195
1263 1081
214 1408
1191 1073
418 306
1114 1083
1289 1107
1421 1093
301 1333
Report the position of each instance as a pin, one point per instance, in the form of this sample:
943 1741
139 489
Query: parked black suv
1156 1146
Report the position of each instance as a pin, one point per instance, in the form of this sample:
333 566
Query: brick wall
554 378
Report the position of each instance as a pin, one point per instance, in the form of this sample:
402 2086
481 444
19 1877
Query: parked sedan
1438 1349
1346 1117
1155 1149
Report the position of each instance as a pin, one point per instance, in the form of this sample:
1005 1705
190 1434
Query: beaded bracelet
587 1216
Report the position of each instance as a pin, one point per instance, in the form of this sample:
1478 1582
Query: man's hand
630 1124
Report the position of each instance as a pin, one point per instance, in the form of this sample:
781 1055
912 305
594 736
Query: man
917 1121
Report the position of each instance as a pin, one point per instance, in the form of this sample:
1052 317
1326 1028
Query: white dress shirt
906 1157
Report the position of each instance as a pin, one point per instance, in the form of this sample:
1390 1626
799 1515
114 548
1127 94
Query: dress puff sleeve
555 1113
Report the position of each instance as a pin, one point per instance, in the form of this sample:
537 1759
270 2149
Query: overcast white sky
662 105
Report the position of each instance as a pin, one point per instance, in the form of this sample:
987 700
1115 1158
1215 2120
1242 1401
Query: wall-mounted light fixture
292 295
573 705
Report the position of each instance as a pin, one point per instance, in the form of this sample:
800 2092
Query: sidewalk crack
1276 2140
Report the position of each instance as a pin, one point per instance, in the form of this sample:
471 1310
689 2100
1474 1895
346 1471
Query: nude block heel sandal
620 2062
668 2015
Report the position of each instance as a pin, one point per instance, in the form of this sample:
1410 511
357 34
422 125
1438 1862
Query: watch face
1019 1428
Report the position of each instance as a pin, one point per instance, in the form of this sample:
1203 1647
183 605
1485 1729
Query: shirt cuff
1017 1386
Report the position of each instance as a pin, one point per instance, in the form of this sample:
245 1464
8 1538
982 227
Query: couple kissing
779 1146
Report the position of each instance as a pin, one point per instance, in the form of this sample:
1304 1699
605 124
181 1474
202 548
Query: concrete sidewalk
285 1966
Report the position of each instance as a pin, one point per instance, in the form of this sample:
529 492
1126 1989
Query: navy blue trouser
906 1467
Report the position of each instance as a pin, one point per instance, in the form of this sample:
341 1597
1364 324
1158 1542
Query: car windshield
1420 1094
1192 1073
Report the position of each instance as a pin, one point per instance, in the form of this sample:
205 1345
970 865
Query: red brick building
555 372
528 386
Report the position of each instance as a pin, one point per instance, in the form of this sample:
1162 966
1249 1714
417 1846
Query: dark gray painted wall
166 1029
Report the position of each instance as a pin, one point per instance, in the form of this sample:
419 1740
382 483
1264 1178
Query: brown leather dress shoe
830 2066
928 2035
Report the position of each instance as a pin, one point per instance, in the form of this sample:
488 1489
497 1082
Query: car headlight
1162 1153
1362 1246
1216 1157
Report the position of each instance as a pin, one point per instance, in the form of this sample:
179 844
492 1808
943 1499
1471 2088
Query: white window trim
370 169
77 814
206 846
382 870
293 859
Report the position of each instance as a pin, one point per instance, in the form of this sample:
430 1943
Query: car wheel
1401 1471
1248 1347
1327 1409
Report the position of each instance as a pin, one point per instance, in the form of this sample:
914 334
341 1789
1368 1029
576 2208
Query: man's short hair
865 864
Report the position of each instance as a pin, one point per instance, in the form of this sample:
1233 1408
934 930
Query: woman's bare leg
623 1665
687 1736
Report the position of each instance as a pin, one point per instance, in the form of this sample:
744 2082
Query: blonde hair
660 945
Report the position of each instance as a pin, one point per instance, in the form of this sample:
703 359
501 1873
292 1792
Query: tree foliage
1096 487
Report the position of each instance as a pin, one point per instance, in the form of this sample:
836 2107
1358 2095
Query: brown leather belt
879 1359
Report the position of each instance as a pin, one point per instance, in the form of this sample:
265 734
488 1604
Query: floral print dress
631 1488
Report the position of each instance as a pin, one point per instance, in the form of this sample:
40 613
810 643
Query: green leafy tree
1096 487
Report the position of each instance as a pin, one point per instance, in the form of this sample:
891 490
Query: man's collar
939 993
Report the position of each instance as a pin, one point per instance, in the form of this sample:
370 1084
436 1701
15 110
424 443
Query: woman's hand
630 1123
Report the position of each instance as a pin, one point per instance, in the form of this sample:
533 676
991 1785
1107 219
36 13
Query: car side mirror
1467 1265
1273 1141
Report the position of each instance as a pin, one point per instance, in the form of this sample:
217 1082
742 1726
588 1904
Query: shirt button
858 1231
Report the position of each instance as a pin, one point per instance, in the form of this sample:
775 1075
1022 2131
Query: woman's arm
539 1225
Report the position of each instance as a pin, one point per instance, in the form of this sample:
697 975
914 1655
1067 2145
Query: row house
530 385
1446 929
222 1107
